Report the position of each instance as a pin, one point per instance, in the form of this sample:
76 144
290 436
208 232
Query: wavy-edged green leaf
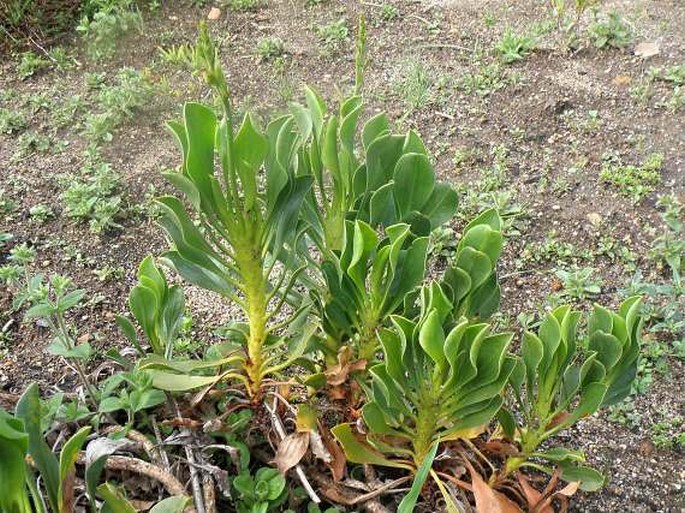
414 182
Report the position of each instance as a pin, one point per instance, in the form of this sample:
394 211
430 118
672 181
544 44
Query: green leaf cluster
554 386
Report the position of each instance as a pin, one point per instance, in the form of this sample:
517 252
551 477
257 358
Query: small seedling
514 47
11 121
333 35
486 80
30 143
389 12
92 197
41 212
578 283
269 48
632 181
29 64
614 32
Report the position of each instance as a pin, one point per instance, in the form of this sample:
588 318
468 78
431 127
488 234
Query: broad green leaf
485 240
129 332
174 504
382 206
414 182
476 264
200 122
115 502
67 470
442 204
80 352
29 410
590 479
179 382
251 148
317 108
432 339
70 300
14 443
374 128
360 452
381 157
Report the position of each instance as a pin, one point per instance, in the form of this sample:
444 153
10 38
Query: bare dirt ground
554 117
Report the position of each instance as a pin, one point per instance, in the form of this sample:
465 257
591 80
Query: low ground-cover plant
129 91
611 31
93 197
514 47
317 230
105 22
633 181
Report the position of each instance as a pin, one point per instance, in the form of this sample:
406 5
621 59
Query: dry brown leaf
570 489
622 80
647 49
501 447
338 461
291 450
535 499
337 374
337 393
214 14
487 499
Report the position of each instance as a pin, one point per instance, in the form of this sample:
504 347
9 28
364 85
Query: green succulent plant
470 282
367 283
157 307
439 380
554 387
247 213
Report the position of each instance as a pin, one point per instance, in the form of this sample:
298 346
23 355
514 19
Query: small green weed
108 273
119 101
92 196
669 433
625 414
11 121
578 283
61 58
103 29
333 35
612 32
7 205
269 48
415 86
669 247
675 74
29 64
389 12
555 251
65 112
632 181
41 212
486 80
514 47
30 143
